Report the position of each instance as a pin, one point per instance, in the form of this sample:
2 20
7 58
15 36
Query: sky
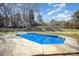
58 11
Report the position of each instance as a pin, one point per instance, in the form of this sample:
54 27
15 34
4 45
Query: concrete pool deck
17 46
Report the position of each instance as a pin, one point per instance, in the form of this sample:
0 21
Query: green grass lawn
74 33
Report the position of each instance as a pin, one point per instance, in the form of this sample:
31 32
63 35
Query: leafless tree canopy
27 15
18 15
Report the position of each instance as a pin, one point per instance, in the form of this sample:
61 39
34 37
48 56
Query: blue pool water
43 38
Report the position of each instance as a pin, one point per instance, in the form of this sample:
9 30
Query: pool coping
25 47
68 42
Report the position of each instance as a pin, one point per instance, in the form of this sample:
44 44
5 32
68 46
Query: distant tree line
19 15
73 23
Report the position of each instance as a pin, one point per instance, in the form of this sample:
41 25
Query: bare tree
30 18
15 13
39 19
6 10
26 8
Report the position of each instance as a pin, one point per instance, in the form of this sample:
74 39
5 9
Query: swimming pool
43 38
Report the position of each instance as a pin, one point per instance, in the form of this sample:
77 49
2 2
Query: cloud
50 4
59 12
60 5
48 10
66 15
56 8
53 11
